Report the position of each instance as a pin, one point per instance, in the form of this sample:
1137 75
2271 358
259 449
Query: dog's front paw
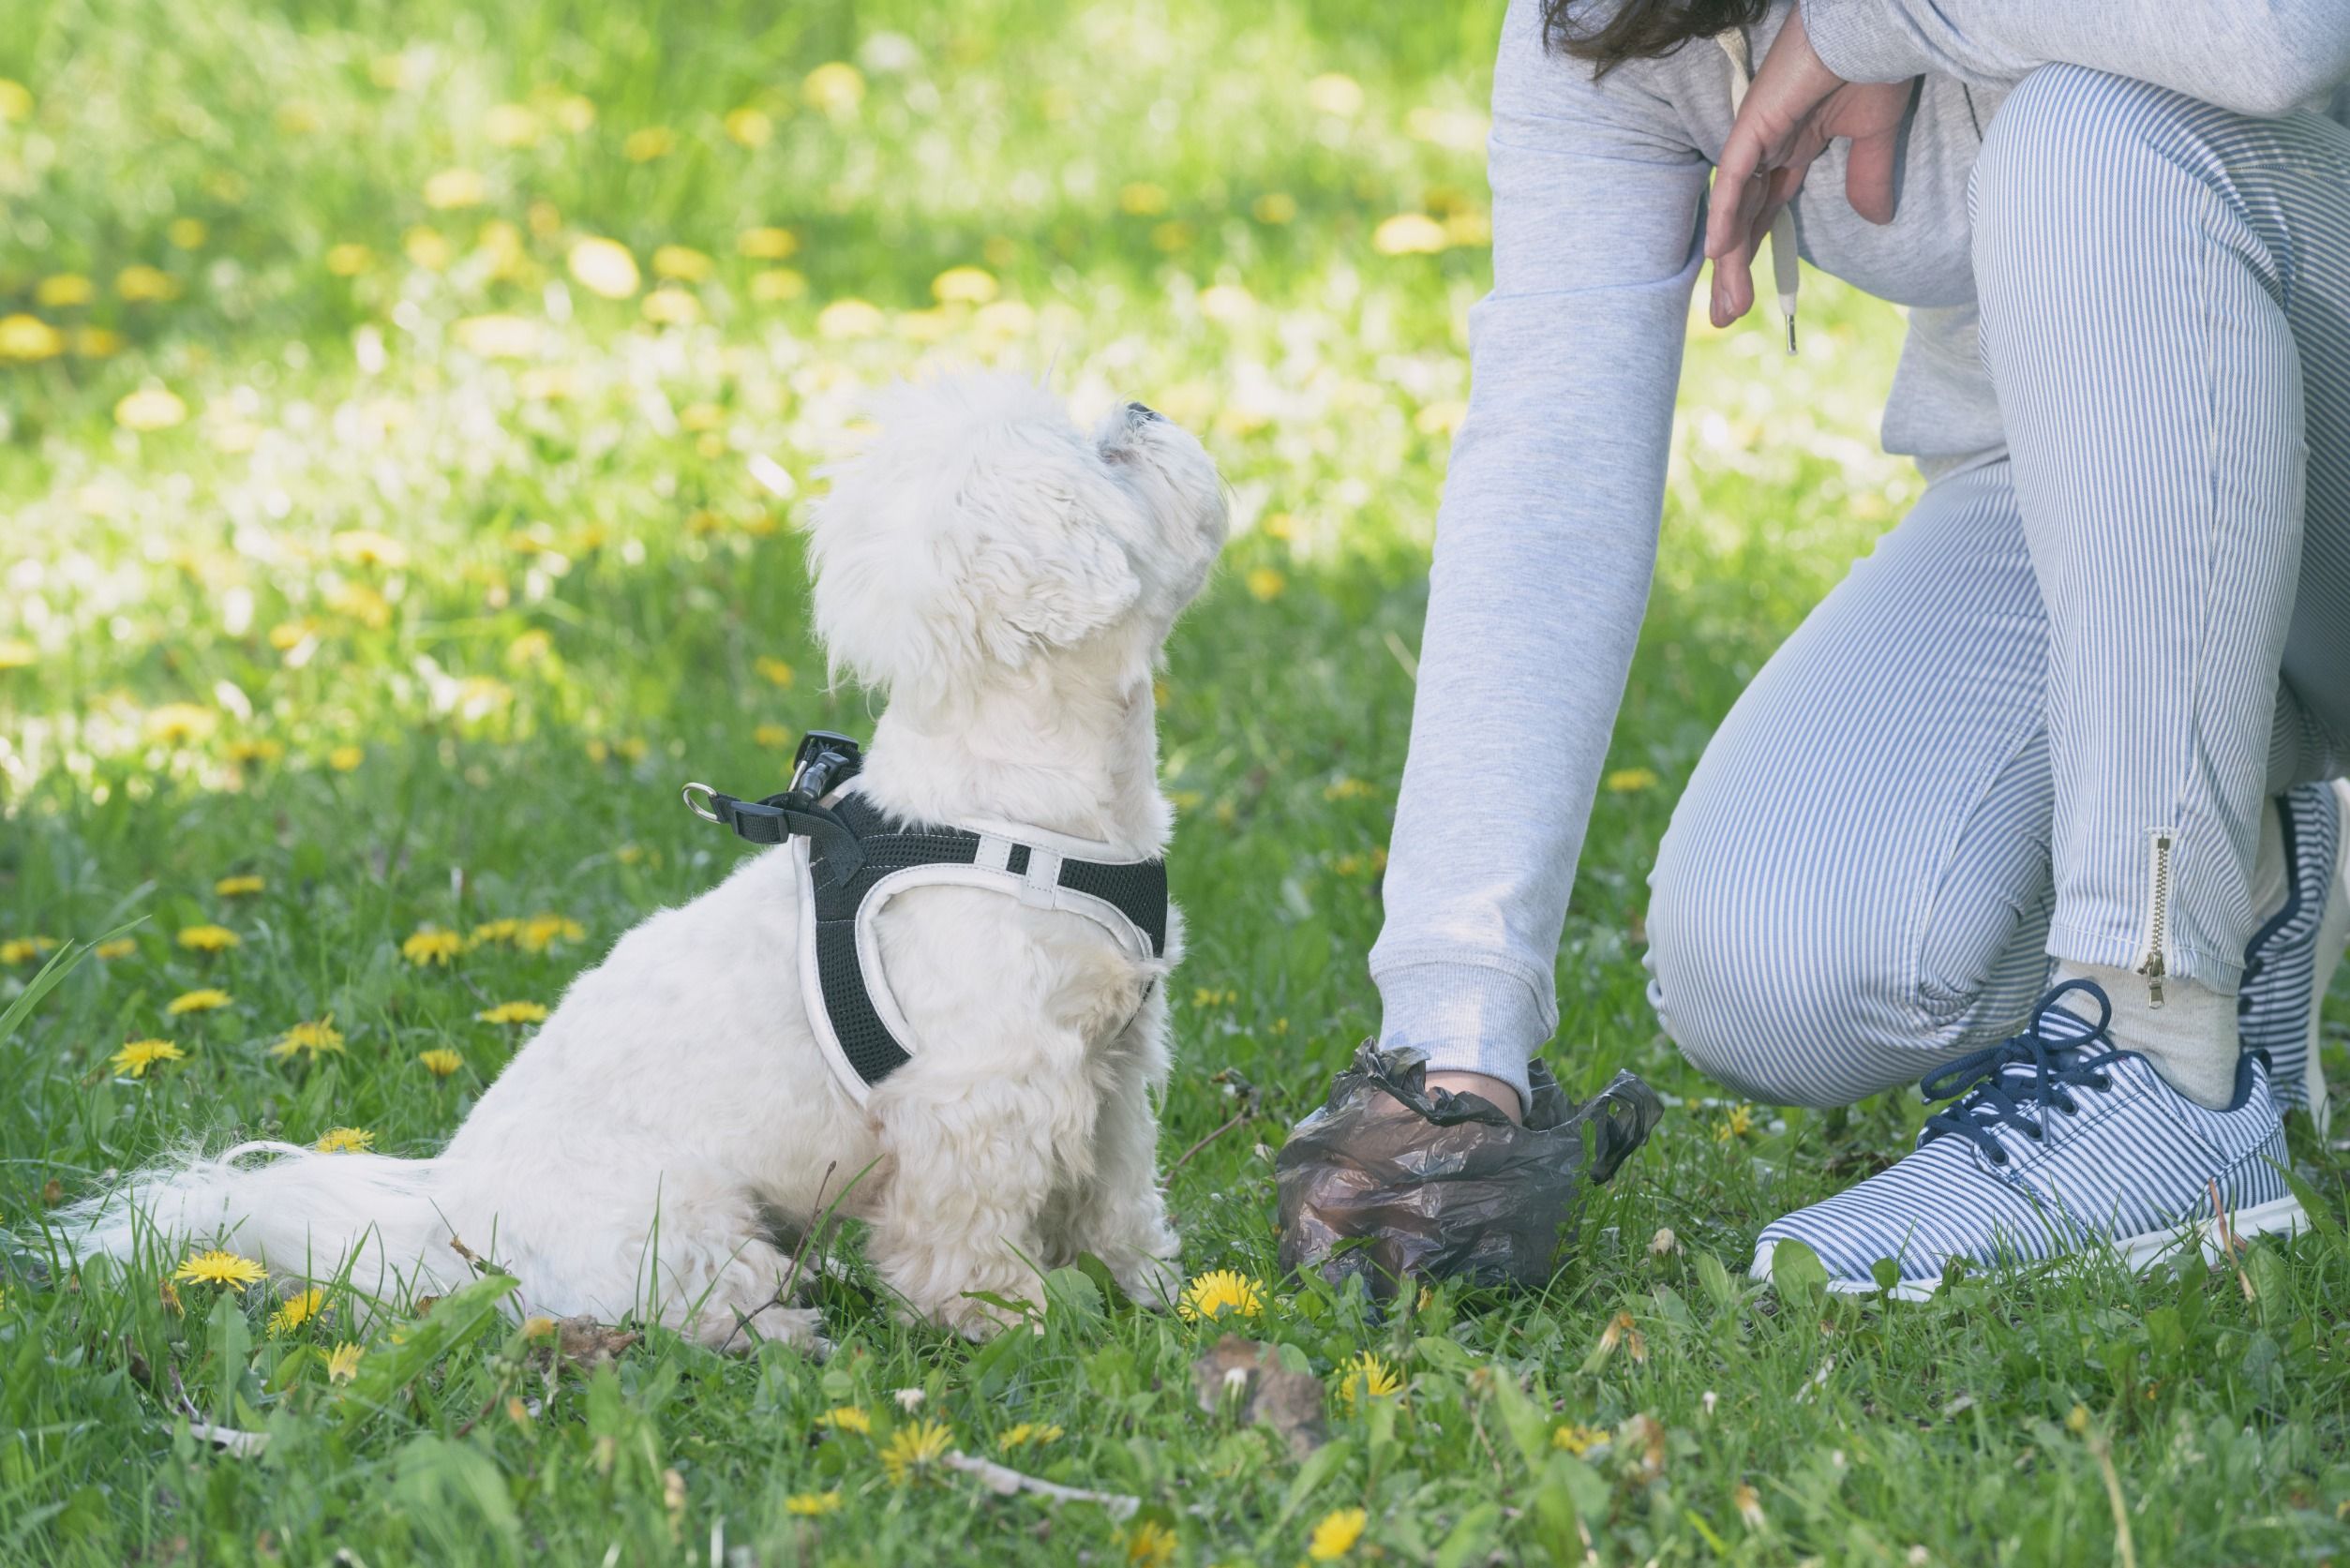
980 1318
1152 1283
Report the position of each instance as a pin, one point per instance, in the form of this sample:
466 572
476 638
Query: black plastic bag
1446 1187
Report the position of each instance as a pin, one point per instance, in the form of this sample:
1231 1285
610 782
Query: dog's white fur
1008 579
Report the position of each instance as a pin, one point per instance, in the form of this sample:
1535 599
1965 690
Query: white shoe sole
2283 1217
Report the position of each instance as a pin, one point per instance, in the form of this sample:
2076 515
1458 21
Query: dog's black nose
1143 411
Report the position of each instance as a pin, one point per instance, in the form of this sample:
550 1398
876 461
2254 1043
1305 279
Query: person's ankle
1492 1090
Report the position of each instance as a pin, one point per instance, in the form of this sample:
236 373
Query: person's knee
1771 1020
2065 176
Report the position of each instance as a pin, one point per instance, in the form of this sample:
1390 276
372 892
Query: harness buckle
824 761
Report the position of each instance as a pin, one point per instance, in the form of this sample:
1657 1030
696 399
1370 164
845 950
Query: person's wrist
1859 40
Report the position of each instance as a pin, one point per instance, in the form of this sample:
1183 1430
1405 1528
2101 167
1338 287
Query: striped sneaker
2060 1143
2290 959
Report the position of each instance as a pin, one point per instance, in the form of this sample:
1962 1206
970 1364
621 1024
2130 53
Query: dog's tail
300 1211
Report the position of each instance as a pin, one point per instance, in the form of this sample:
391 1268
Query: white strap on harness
1037 888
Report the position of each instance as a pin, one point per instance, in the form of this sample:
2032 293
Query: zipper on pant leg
2153 962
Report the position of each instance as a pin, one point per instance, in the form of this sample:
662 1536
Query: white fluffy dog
1008 579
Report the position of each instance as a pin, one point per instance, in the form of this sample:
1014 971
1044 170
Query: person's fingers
1868 176
1741 156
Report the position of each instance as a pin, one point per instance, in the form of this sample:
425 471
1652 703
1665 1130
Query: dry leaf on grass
1243 1372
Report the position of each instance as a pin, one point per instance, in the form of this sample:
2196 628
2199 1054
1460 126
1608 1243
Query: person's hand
1795 106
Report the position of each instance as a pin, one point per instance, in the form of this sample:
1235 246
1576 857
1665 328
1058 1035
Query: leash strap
823 763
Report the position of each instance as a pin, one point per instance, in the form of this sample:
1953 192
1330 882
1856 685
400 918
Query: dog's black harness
853 857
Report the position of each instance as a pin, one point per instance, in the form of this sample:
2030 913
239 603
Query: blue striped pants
2039 721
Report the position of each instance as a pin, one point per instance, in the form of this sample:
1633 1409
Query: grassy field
381 548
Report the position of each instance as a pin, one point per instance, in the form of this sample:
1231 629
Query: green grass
592 594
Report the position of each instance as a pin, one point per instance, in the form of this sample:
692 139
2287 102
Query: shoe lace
2002 1086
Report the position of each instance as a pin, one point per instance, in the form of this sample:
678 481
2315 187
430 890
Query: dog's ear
980 530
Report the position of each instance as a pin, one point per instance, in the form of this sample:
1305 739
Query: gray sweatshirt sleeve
2253 56
1545 542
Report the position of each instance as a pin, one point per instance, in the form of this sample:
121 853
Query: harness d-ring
709 793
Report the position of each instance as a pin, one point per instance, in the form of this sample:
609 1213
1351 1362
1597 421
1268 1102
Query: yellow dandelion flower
1336 1535
441 1061
1344 788
176 723
345 1141
262 747
1028 1434
510 125
343 1364
186 233
1142 199
1333 92
1213 1295
809 1505
452 189
1409 234
671 307
836 87
63 290
145 285
428 247
772 669
604 267
504 929
652 142
208 939
846 1418
496 337
238 886
1740 1122
774 736
1623 780
1274 207
16 653
427 946
682 262
122 946
1577 1441
137 1056
345 758
849 318
1440 418
316 1036
16 101
543 931
913 1450
767 244
514 1012
295 1310
364 546
1366 1377
24 949
347 260
28 339
1150 1545
1469 228
777 284
206 1000
964 286
219 1268
149 408
751 127
1265 583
